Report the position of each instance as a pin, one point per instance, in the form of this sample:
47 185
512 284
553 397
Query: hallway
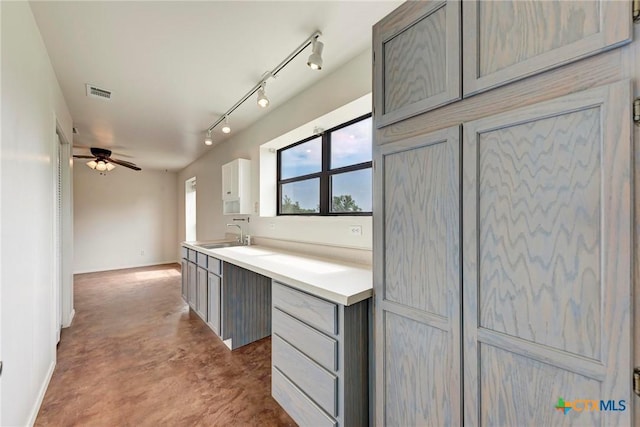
136 356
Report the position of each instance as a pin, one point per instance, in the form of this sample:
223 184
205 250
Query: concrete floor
136 356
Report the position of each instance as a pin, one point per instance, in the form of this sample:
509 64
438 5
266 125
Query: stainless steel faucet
241 238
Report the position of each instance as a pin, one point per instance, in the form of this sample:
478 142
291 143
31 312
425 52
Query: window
190 209
328 174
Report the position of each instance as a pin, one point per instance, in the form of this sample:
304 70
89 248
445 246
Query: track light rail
272 73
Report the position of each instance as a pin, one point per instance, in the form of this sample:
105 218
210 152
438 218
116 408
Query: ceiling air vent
96 92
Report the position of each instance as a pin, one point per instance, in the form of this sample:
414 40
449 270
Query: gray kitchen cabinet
416 60
185 279
319 358
233 301
508 40
192 284
419 47
214 284
547 232
522 226
201 292
418 312
214 295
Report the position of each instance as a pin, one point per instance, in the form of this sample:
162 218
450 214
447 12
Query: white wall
348 83
124 218
32 102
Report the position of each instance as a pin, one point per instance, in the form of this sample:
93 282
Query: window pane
301 196
351 191
351 145
302 159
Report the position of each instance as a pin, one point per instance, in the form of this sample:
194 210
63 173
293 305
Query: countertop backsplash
339 253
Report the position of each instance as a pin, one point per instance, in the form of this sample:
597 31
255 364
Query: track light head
263 101
226 128
208 140
315 59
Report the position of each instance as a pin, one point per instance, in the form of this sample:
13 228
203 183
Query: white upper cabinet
236 190
507 40
416 60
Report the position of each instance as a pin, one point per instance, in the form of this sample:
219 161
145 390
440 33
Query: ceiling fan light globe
110 167
92 164
101 166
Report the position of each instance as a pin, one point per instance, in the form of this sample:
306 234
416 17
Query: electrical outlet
142 253
272 226
355 230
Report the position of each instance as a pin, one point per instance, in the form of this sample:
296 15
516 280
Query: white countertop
342 283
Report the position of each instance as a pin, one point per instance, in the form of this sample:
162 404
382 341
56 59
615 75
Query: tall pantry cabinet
504 227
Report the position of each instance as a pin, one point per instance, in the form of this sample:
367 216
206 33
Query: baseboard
41 393
71 316
124 267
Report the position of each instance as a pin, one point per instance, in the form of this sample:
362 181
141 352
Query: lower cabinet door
213 309
201 291
185 279
191 285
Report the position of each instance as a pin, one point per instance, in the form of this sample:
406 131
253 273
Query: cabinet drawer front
314 311
202 259
317 383
215 266
297 404
185 252
316 345
192 255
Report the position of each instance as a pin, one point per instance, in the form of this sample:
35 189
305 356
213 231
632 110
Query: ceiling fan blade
123 163
77 156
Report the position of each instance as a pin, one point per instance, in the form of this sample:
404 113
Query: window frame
324 175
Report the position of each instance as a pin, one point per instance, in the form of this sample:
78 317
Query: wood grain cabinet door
417 281
510 39
201 291
185 279
547 261
213 306
191 285
416 60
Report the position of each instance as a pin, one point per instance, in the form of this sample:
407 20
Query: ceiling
175 67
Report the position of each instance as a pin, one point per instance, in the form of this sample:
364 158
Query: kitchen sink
218 245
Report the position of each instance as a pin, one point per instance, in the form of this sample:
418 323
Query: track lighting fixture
226 128
315 59
315 62
208 140
263 101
